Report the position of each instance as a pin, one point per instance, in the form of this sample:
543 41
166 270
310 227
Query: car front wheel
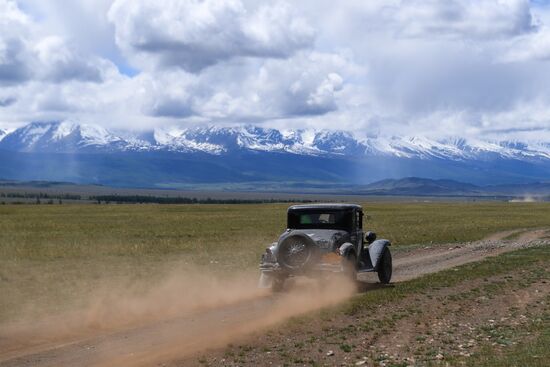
385 267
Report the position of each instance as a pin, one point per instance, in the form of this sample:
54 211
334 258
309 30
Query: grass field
492 313
55 254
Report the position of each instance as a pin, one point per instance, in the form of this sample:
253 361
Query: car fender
273 249
346 249
376 249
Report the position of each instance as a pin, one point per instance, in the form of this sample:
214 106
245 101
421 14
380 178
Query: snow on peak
64 129
177 140
97 135
34 131
70 136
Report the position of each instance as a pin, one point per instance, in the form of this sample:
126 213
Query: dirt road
216 325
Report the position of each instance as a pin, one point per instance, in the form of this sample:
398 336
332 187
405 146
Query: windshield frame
345 224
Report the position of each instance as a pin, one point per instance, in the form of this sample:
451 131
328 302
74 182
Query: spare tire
296 252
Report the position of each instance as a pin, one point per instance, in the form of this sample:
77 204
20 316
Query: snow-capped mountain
456 148
2 134
84 153
73 137
61 137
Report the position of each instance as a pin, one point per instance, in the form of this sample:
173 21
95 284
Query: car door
356 235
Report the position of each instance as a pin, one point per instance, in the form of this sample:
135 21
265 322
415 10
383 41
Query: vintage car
321 239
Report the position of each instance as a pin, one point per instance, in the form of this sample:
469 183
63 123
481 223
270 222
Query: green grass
414 223
91 231
53 254
370 315
534 353
240 231
491 266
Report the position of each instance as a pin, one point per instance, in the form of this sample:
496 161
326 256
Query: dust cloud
527 198
186 312
226 325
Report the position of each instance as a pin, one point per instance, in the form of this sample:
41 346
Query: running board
366 270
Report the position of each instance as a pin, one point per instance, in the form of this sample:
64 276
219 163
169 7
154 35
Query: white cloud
391 67
461 18
43 76
534 46
196 34
26 54
13 47
13 66
57 62
168 94
305 84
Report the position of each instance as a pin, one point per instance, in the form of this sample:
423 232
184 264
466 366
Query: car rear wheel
349 267
385 267
278 284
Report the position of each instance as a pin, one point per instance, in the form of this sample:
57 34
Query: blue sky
390 67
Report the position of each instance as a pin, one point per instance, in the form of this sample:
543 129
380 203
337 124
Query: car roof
334 206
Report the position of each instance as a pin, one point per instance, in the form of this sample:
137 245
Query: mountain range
70 137
172 158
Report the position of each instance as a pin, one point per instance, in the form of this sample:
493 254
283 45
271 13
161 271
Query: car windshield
323 219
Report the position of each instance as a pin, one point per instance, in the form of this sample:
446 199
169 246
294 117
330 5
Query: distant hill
416 186
421 186
409 187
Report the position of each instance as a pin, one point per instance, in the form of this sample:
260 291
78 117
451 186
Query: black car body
325 238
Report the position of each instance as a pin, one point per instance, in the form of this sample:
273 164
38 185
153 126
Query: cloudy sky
388 67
